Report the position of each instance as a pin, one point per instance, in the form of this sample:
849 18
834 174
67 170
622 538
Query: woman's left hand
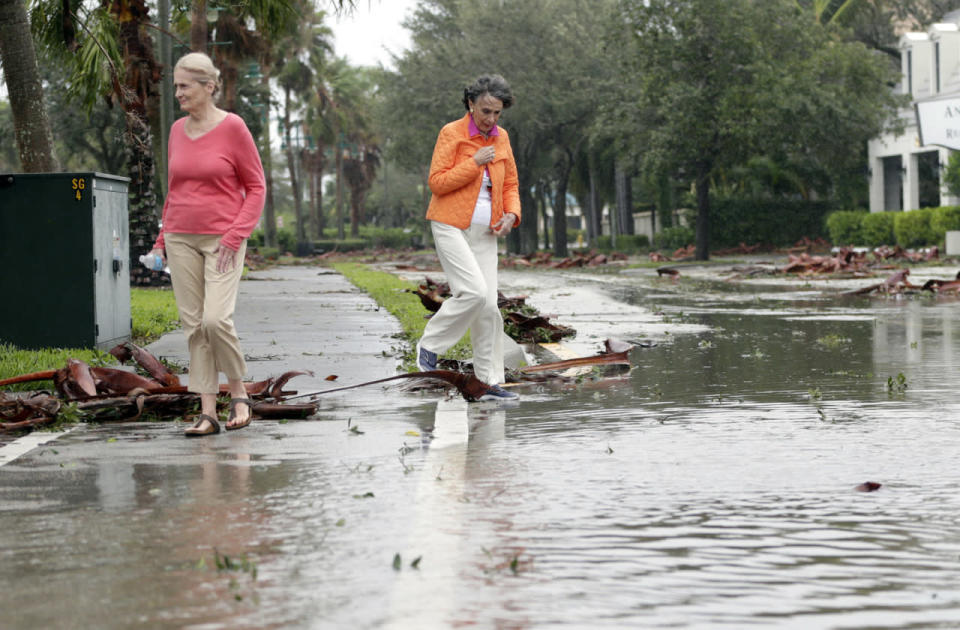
227 258
505 224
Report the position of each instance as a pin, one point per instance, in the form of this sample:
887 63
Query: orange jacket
455 178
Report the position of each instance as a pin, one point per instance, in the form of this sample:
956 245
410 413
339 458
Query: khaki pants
469 260
206 300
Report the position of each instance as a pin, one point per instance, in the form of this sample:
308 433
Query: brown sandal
196 431
233 413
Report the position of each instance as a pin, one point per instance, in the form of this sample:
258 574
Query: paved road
123 525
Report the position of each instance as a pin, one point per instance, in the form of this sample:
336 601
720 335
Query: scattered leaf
868 486
397 562
416 562
332 377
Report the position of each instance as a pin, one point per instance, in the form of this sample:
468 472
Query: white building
906 171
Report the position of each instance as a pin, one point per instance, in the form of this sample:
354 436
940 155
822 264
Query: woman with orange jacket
473 178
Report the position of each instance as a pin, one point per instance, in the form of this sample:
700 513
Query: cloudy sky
373 31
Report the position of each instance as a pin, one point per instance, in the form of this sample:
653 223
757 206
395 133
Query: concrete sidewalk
306 318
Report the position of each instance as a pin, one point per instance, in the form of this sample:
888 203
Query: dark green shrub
257 239
945 219
844 227
270 253
673 237
777 222
912 228
346 245
393 238
876 228
286 240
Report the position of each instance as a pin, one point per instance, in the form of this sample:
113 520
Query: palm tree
22 76
830 11
110 55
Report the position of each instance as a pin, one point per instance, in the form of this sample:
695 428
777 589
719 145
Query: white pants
469 260
206 299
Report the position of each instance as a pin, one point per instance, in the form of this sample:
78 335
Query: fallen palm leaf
469 386
621 358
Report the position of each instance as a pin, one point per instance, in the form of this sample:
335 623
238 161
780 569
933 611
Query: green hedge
912 228
843 226
771 222
674 237
626 243
945 219
876 228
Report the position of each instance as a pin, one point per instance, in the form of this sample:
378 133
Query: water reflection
712 486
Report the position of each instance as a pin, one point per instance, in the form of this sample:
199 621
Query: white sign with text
939 122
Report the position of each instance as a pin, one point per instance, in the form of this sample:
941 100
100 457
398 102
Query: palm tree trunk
22 77
198 26
140 84
703 211
266 153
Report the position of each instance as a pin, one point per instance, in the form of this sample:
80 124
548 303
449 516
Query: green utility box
64 260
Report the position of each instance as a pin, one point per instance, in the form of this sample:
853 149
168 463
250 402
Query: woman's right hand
159 252
484 155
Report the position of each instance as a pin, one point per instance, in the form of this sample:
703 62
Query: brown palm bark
22 76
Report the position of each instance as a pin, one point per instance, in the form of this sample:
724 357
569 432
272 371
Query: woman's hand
227 258
505 224
484 155
159 252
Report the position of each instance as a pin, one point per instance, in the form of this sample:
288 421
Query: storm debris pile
682 253
102 393
854 261
579 259
897 283
522 322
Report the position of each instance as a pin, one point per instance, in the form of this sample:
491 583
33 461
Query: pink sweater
215 183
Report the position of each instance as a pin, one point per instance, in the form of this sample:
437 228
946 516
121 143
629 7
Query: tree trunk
198 26
703 211
526 240
541 208
266 155
425 201
341 234
356 202
560 211
593 208
294 175
22 77
624 200
665 200
140 84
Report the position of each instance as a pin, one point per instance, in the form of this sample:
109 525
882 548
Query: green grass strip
154 312
395 295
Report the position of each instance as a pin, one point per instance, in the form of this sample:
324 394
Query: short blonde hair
201 66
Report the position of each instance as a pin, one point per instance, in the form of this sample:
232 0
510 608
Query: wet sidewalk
307 318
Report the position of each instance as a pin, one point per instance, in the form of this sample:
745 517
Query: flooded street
712 486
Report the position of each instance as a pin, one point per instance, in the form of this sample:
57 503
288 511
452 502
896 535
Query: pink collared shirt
473 130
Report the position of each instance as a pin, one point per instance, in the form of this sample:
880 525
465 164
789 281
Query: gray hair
202 68
492 84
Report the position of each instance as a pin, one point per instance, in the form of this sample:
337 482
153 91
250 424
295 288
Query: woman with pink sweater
215 195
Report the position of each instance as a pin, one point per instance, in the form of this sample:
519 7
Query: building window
910 72
936 64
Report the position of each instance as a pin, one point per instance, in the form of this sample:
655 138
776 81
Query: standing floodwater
713 486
